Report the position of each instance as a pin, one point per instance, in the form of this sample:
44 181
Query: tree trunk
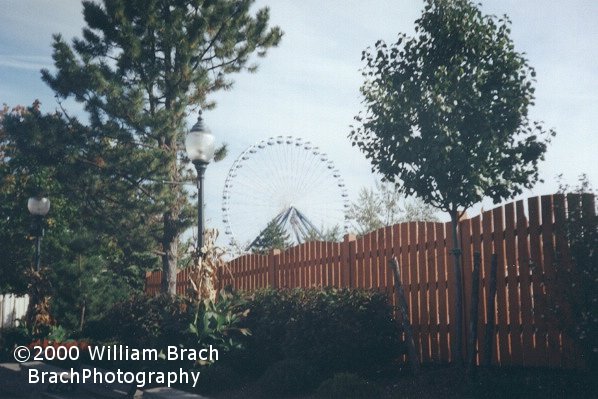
457 344
170 244
170 237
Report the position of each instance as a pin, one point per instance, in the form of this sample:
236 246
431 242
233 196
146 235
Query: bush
10 338
346 385
142 322
572 298
288 377
343 330
219 323
334 330
269 312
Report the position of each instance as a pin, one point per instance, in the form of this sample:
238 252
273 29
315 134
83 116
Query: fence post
273 259
347 260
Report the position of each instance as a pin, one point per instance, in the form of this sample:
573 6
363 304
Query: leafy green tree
139 68
331 234
274 236
95 251
447 115
386 206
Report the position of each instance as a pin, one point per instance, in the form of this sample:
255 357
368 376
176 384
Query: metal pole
201 168
39 232
38 249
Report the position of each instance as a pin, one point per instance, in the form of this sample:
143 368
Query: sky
308 87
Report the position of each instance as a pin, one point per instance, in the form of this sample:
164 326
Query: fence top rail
588 201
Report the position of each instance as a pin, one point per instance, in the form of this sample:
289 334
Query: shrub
10 338
573 301
288 377
142 322
343 330
334 330
269 312
219 323
346 385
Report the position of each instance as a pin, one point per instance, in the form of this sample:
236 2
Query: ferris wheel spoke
259 187
302 183
282 176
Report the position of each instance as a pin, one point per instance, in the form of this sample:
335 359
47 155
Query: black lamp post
38 207
199 144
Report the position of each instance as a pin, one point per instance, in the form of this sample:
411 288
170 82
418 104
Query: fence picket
513 313
523 261
476 243
443 308
466 274
487 251
532 252
432 276
548 251
374 256
502 323
423 290
537 286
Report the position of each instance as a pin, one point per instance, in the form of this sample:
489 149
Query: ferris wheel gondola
286 180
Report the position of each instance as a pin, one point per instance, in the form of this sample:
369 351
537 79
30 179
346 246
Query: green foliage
330 234
12 337
142 322
346 385
334 330
139 68
274 236
85 288
385 206
269 313
447 110
343 330
575 303
219 322
288 377
58 334
447 116
96 252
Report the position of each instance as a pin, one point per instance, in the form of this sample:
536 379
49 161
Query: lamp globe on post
200 148
38 207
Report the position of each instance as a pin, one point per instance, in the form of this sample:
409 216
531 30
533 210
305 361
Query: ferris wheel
287 181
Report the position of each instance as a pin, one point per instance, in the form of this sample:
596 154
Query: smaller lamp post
38 207
199 145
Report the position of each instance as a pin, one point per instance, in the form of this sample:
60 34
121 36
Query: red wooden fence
527 236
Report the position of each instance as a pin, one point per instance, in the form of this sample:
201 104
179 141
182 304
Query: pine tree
274 236
139 69
96 247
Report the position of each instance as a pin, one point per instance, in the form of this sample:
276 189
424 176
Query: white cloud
30 62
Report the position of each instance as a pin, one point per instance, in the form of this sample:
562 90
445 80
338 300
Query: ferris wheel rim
298 142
